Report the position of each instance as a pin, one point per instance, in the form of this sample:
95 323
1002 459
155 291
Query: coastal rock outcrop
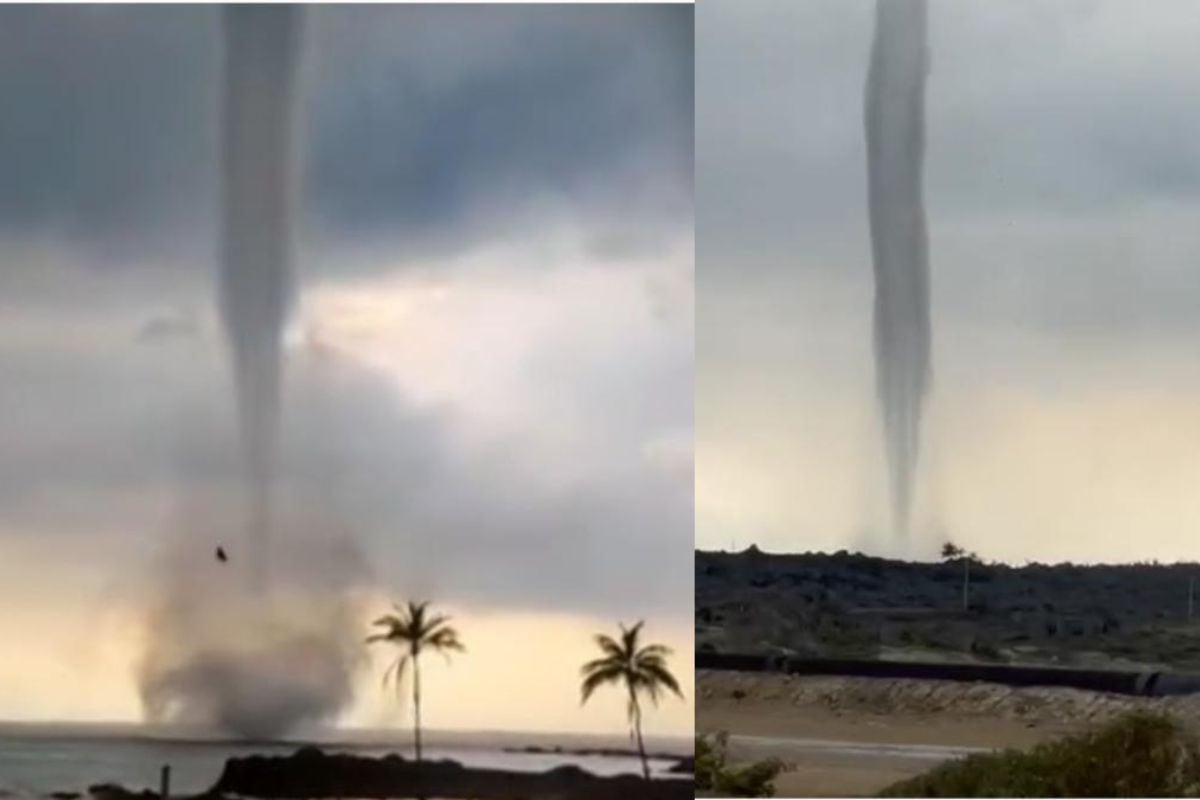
310 772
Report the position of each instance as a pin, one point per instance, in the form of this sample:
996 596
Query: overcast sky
1062 190
490 367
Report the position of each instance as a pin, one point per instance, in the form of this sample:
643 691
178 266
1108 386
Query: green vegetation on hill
1136 755
848 605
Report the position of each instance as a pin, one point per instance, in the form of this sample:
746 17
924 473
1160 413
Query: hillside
847 604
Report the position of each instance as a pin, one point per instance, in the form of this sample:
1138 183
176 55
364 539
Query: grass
715 774
1137 755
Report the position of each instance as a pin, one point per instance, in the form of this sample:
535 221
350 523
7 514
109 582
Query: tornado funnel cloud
895 134
256 654
258 190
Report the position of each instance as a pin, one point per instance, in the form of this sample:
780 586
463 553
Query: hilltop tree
950 552
412 631
641 669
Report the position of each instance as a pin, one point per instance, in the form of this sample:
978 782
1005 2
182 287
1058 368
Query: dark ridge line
753 551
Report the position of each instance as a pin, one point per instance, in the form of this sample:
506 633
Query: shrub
715 774
1137 755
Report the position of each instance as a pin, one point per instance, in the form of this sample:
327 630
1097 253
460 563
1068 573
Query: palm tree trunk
417 705
637 729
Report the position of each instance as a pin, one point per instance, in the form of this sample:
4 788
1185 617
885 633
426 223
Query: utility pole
164 782
966 581
1191 597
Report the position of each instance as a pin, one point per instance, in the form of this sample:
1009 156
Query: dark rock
113 791
685 766
310 772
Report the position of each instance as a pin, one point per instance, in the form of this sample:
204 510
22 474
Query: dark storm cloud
107 115
420 119
503 143
463 107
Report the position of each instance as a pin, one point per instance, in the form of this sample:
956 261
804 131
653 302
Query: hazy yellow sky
72 654
1036 446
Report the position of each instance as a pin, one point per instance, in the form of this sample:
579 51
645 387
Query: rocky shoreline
310 773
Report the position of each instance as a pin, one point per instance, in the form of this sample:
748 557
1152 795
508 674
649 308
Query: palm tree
643 670
412 631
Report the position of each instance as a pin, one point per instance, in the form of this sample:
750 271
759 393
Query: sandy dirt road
822 767
848 753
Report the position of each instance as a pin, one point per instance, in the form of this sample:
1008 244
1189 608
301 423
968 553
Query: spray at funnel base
895 133
256 665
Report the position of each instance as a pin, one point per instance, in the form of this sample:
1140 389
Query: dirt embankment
787 695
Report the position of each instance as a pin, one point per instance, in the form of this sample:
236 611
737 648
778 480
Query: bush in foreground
1136 755
715 774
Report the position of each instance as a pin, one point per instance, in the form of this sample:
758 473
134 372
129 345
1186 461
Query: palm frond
654 651
401 668
643 670
597 679
409 629
396 671
651 690
649 661
609 645
598 664
629 637
659 676
446 639
386 674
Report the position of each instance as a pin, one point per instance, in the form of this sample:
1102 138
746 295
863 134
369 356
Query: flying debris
221 555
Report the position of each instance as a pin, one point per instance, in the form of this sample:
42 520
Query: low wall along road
1141 684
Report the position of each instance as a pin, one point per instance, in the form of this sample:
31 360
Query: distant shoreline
310 772
511 742
601 752
41 763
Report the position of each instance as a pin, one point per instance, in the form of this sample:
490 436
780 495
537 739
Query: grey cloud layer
602 526
420 118
1062 142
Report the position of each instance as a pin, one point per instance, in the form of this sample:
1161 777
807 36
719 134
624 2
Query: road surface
831 768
